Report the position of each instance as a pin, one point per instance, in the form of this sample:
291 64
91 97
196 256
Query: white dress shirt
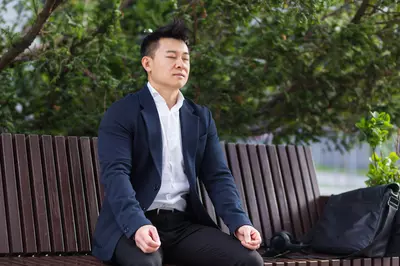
174 183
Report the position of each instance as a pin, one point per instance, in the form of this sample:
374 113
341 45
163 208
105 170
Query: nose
179 63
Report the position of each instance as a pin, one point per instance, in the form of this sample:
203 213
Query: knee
252 258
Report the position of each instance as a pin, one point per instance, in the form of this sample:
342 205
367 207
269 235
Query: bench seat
90 260
51 260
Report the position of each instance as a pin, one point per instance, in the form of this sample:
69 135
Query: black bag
393 248
357 223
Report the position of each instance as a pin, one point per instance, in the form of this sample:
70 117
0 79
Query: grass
324 168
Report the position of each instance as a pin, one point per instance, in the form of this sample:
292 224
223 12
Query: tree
301 70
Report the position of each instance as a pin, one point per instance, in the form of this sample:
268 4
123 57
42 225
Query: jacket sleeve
219 182
115 155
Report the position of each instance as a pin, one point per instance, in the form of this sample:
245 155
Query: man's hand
147 239
249 237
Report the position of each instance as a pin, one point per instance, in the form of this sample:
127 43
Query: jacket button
156 187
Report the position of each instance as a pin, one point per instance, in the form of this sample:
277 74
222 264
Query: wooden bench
50 198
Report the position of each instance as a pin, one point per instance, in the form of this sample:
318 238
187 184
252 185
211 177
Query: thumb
154 234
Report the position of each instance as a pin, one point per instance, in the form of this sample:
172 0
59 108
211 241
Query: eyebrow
172 51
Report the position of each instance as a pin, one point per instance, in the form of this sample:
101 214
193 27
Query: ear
147 62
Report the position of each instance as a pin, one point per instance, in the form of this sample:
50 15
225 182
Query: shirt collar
158 98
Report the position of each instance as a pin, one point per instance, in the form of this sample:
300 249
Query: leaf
375 157
393 157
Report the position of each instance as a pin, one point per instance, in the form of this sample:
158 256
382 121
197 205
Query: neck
170 95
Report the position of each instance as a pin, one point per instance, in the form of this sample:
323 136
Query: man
153 144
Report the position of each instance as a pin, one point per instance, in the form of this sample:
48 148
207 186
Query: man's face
169 67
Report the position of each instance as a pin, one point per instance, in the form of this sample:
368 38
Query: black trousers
185 242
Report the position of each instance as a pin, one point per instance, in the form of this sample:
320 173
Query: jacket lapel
190 136
152 121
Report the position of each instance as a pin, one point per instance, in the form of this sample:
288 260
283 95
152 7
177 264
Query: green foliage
382 169
301 70
376 129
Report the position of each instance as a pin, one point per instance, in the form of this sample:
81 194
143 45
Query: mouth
179 75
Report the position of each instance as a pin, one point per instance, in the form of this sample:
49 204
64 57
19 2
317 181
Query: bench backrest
277 185
50 194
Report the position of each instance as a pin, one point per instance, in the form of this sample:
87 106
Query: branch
100 30
124 4
276 99
335 12
30 36
360 12
389 22
377 8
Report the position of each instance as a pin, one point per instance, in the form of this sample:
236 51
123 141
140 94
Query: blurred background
272 72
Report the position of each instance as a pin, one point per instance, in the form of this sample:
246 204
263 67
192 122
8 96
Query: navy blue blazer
130 155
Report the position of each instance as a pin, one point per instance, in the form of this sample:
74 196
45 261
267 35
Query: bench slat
290 192
260 190
324 263
63 174
78 195
309 193
52 188
299 188
356 262
4 247
234 166
312 263
11 196
377 261
386 261
221 223
279 189
313 178
275 220
89 182
334 262
99 186
39 194
346 263
27 212
249 187
300 263
310 198
207 202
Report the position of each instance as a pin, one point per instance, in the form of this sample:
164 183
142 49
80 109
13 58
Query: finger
256 238
154 235
150 242
254 242
247 237
145 247
255 235
148 249
140 246
248 246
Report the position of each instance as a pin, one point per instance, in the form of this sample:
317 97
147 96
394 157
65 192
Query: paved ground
338 182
